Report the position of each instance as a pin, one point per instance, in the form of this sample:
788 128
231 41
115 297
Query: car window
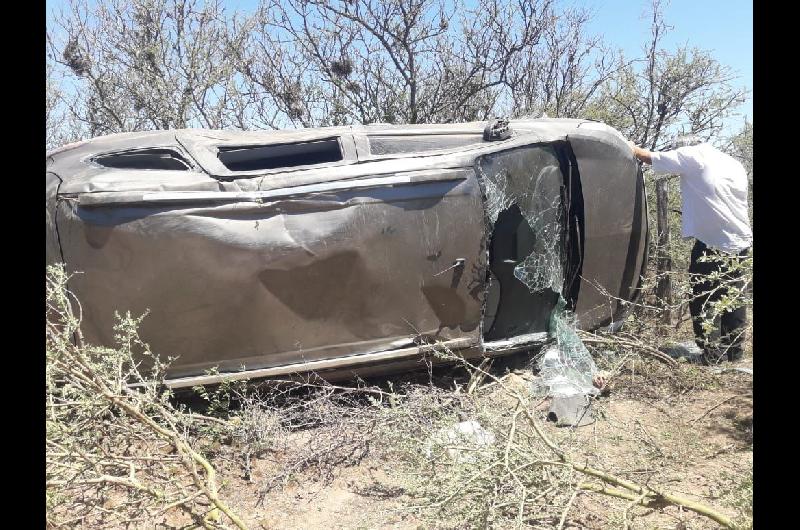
524 203
257 157
160 159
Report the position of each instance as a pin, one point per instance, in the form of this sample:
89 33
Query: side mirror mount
497 129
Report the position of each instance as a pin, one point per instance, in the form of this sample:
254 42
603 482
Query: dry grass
376 458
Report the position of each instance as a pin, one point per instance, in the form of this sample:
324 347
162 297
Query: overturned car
348 249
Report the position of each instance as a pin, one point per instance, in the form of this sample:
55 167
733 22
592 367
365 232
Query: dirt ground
688 433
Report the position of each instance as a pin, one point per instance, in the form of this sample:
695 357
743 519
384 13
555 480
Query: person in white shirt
715 213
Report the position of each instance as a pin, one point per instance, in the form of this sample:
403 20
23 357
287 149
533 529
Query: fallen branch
706 413
643 348
644 495
630 505
108 479
477 377
71 363
82 372
566 509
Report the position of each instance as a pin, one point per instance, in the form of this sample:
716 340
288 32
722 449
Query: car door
343 259
258 268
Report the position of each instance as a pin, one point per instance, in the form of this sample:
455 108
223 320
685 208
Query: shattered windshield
525 192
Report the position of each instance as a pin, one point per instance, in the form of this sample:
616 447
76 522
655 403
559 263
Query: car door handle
456 264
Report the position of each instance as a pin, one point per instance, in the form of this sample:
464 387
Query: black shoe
712 357
734 356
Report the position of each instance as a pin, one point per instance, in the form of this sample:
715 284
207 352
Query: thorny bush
118 452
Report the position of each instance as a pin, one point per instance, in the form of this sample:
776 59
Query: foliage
118 451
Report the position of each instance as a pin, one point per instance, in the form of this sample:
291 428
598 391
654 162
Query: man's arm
677 162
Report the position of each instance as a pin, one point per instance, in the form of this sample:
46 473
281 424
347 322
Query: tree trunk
664 258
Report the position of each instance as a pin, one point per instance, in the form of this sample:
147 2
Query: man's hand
642 154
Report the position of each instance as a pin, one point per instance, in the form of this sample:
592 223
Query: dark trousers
728 334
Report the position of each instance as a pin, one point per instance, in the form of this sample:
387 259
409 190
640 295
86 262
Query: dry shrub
118 452
458 482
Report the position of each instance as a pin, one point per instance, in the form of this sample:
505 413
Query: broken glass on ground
525 203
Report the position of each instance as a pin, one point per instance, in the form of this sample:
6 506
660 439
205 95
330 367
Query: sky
724 27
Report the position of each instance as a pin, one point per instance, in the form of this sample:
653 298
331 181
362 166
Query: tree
563 75
155 64
740 146
397 61
61 126
664 93
146 64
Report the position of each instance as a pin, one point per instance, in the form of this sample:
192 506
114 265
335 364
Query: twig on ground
639 346
628 508
707 412
566 508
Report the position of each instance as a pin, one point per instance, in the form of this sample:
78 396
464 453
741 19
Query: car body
346 249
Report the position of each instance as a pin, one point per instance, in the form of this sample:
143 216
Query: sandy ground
694 440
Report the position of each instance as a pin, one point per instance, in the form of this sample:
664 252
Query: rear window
256 157
144 159
391 145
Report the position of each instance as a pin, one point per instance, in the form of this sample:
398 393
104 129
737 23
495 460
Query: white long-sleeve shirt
713 193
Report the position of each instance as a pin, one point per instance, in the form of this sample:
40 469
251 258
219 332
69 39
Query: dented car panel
331 250
311 276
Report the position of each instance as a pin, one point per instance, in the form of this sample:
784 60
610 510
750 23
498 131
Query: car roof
74 160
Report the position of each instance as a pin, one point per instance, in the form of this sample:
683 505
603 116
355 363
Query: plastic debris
686 350
569 411
460 441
